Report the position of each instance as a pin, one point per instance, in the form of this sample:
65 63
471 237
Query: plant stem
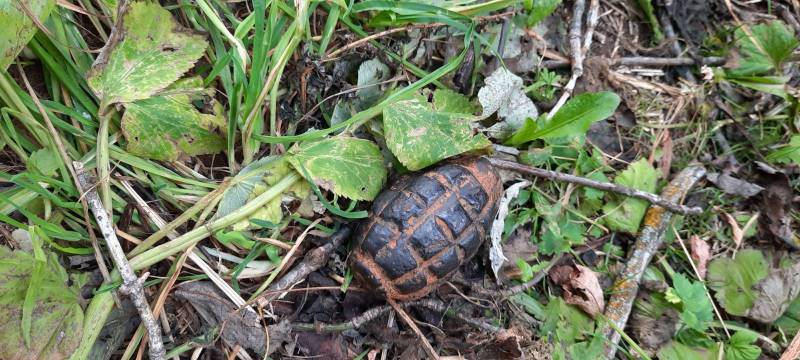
101 304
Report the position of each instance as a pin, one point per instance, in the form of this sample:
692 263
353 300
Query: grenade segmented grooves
426 225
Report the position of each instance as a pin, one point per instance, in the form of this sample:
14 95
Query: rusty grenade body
424 226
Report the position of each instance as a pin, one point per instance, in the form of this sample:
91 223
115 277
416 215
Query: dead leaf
581 287
739 232
322 346
733 186
776 204
701 253
240 327
506 346
775 293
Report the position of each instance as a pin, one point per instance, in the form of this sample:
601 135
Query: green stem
101 304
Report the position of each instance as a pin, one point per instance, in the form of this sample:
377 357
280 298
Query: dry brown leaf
581 287
738 234
701 253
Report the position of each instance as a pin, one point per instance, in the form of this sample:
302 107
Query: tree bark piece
131 285
656 221
654 199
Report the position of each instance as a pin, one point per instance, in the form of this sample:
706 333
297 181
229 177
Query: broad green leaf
789 153
677 351
789 322
271 173
559 236
769 46
696 308
18 28
733 280
420 137
741 346
44 162
626 215
349 167
565 322
167 126
574 118
54 319
541 9
151 53
243 185
446 100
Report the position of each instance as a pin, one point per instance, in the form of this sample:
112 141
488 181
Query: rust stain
654 216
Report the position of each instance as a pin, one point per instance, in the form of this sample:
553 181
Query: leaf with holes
18 28
349 167
149 52
167 126
420 137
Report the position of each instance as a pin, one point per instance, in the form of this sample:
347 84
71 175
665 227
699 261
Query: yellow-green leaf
626 214
420 137
349 167
53 319
151 52
18 28
165 127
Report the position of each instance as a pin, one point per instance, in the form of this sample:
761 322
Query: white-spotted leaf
17 27
166 126
348 167
151 52
420 137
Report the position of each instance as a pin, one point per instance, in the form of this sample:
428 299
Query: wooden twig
793 351
576 52
656 220
131 285
647 61
313 260
410 322
577 180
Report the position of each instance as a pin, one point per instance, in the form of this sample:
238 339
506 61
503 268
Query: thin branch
619 189
647 61
313 260
651 236
130 283
577 53
410 322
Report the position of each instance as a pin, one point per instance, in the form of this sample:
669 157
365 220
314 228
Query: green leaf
243 185
560 236
154 52
733 280
787 154
696 308
44 162
446 100
18 28
771 44
740 346
775 85
627 214
789 322
589 349
349 167
420 137
541 9
677 351
167 126
574 118
565 322
38 304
